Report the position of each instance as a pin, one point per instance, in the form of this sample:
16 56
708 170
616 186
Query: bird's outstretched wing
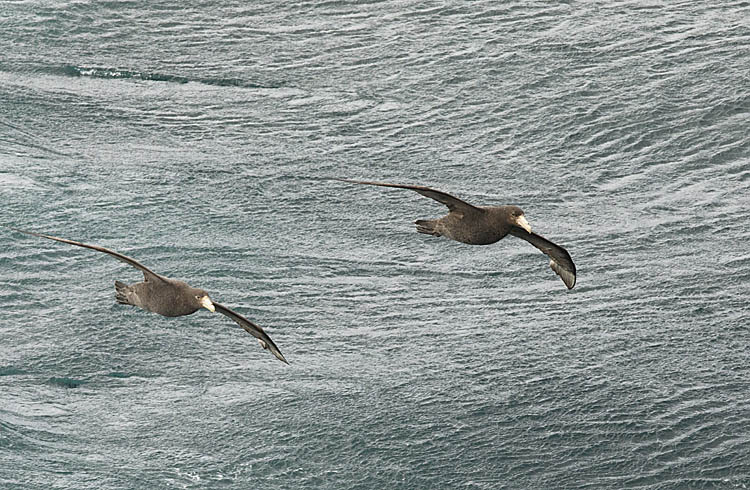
147 273
560 260
452 202
252 329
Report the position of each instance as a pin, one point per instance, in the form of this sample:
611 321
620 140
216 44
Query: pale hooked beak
521 221
207 304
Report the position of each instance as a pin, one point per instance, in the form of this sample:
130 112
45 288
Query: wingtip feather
568 277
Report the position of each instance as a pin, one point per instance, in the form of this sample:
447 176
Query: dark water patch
11 371
66 382
126 74
121 375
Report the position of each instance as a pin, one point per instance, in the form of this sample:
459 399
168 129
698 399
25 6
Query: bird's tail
428 227
121 293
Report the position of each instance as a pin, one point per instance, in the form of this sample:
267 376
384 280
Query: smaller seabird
168 297
483 225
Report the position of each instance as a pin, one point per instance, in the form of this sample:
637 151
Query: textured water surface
198 137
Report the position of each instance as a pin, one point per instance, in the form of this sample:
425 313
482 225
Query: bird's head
518 218
203 300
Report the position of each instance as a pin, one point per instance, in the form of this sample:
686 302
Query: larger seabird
169 297
482 225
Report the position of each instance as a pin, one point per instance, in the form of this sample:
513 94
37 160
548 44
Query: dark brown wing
453 203
252 329
124 258
560 260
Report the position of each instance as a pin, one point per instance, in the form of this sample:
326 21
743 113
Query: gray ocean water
196 137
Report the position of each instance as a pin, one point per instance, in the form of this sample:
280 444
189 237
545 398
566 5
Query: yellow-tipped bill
207 304
521 221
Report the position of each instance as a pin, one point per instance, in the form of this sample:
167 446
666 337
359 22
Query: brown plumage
482 225
169 297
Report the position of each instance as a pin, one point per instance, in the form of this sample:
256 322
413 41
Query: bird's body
168 297
479 226
483 225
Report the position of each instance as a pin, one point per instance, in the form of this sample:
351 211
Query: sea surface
199 138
